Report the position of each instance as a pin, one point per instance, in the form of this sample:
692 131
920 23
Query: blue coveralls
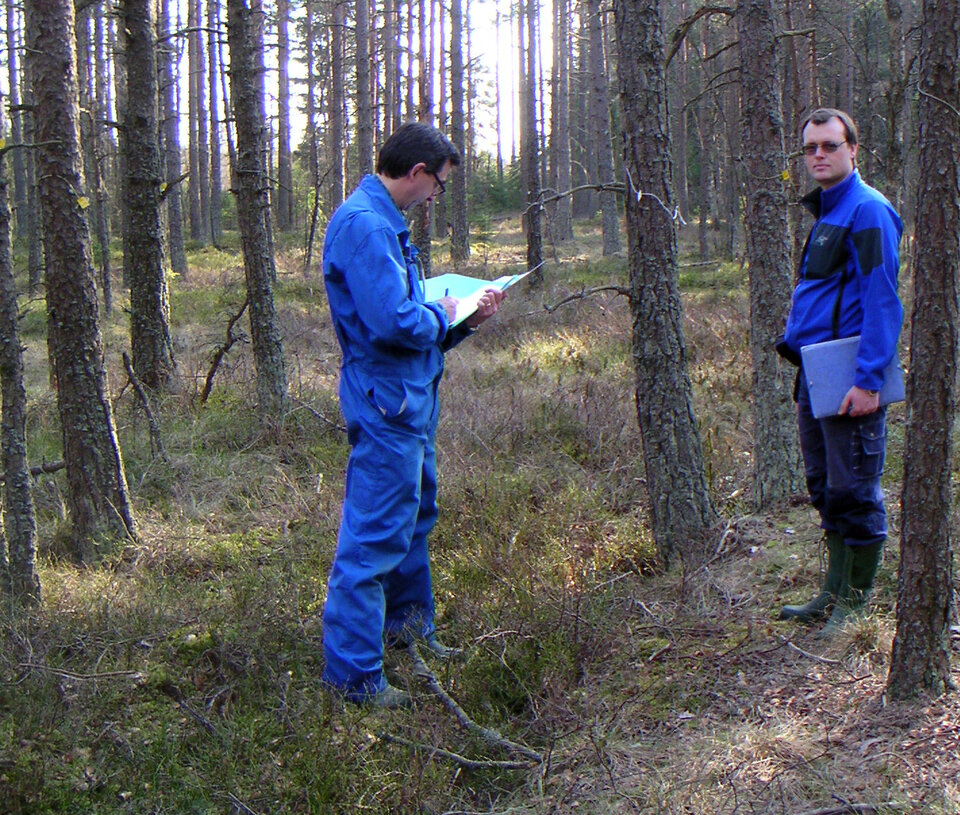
393 345
847 285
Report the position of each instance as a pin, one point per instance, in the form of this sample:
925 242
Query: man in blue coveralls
393 346
847 286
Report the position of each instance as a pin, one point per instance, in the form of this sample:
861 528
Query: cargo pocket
869 446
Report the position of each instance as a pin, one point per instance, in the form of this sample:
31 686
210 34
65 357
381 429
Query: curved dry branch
488 735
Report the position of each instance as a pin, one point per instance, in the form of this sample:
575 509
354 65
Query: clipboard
829 369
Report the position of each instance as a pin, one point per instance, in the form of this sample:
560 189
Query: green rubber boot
852 599
837 568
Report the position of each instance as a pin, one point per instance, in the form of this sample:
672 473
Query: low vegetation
182 674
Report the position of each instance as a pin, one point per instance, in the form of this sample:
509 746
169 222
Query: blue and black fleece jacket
847 282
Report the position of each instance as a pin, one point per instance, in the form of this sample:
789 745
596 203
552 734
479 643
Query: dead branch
155 436
797 32
33 666
490 736
318 415
584 293
240 805
684 28
219 354
463 761
854 809
47 467
610 186
808 655
169 185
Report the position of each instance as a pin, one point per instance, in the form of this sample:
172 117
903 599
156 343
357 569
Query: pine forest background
622 497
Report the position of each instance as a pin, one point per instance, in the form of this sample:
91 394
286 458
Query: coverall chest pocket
869 446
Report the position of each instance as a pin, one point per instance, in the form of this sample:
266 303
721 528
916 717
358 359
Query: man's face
427 185
827 168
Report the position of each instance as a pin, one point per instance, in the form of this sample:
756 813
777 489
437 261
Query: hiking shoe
389 698
430 644
439 650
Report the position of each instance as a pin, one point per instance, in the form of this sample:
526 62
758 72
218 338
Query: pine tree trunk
391 73
99 214
216 171
35 234
142 237
921 649
681 510
245 36
17 158
99 505
895 101
18 540
422 213
171 147
312 152
284 159
529 140
561 221
600 131
459 234
203 127
778 471
364 99
336 132
584 201
194 71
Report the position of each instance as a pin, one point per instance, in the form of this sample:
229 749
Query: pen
446 292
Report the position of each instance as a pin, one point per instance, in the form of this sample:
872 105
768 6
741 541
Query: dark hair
823 115
413 143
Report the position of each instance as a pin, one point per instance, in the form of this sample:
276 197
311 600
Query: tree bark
99 212
529 140
18 541
35 266
459 233
336 132
245 36
284 160
561 220
194 74
215 61
98 500
364 98
599 111
681 511
170 129
17 158
150 343
422 213
778 471
311 149
921 647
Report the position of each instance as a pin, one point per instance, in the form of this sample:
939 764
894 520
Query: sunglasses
827 147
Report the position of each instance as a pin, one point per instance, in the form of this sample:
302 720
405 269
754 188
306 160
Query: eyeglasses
827 147
436 178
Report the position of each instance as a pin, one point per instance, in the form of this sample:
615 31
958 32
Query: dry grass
182 674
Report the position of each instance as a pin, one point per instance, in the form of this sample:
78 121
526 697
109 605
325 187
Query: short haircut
413 143
823 115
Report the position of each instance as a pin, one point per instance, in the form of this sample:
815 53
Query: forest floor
181 675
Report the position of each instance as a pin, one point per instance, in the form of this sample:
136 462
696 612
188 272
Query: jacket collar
820 201
383 203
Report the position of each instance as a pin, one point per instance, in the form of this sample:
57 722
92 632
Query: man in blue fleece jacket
847 286
393 346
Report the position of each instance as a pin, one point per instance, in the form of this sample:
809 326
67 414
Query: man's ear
416 168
